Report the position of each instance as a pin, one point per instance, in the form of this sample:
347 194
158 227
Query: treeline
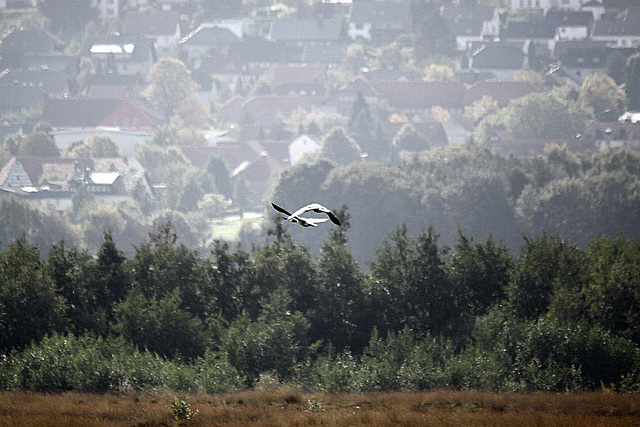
475 189
555 317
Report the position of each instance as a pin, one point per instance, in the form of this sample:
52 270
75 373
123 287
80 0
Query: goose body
297 217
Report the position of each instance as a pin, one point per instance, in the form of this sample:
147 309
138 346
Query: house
30 40
69 65
580 59
568 25
161 27
53 84
20 42
621 30
299 80
265 111
380 22
301 146
15 99
86 113
430 130
419 97
301 32
122 54
502 92
55 180
471 23
331 55
603 135
502 59
208 39
506 144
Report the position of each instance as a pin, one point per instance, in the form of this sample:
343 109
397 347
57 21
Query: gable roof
51 82
625 24
465 20
209 35
31 169
420 94
299 74
305 30
18 97
501 91
259 50
67 64
326 54
233 153
498 56
379 13
431 131
151 23
77 112
29 40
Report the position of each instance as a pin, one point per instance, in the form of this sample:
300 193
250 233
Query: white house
301 146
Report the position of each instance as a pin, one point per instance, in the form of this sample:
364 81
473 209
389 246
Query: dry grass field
292 408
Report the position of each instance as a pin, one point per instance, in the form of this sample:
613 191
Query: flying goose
296 217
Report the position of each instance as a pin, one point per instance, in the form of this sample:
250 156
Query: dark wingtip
334 219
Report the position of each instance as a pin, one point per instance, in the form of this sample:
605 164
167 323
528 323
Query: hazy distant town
480 160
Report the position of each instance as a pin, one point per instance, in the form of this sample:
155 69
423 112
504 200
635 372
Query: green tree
221 175
339 147
409 139
632 81
30 307
480 273
162 265
354 58
103 146
162 326
553 115
545 264
72 272
170 85
438 73
411 283
600 93
433 36
111 282
616 63
339 317
38 144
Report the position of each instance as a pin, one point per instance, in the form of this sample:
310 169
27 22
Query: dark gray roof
67 64
628 24
27 40
521 30
332 54
498 56
259 50
379 13
466 19
77 112
50 82
14 96
328 30
209 36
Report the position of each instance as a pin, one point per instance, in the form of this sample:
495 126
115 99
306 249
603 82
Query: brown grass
288 407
